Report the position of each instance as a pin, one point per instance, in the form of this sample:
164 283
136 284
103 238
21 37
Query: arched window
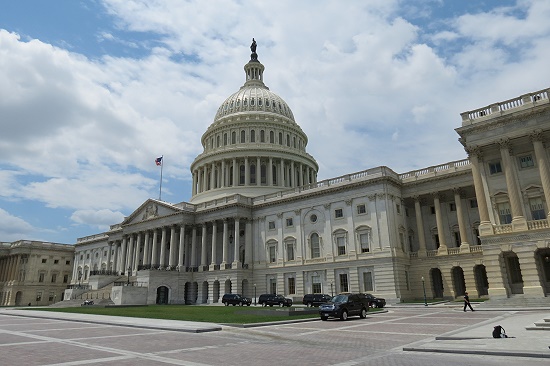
280 138
263 174
231 176
315 247
262 136
224 139
243 135
252 136
233 137
218 141
241 175
294 139
274 174
287 140
271 137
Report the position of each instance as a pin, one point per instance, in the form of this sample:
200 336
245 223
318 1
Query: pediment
150 209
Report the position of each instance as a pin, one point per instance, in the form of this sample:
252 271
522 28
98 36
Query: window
456 235
473 203
241 175
41 277
398 209
56 261
344 282
242 137
367 282
436 240
291 285
537 208
50 298
315 248
290 251
65 278
280 138
272 254
233 137
271 137
54 278
289 221
432 210
452 207
252 136
313 218
341 243
361 209
67 263
316 285
364 240
526 161
273 285
338 213
271 225
402 241
504 213
253 174
38 296
262 136
44 260
495 168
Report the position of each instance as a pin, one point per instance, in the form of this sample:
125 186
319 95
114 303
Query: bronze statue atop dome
254 55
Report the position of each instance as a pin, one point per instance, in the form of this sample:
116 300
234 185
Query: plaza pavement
474 339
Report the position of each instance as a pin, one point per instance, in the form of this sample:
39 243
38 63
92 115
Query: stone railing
315 260
436 169
498 109
538 224
503 229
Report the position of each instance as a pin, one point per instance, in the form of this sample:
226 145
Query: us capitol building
259 220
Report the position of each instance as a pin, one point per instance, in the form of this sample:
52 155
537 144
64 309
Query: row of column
222 174
518 219
462 225
9 267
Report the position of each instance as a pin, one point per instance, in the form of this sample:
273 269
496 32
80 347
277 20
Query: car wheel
247 304
309 304
234 304
363 314
281 304
323 318
226 303
373 305
240 304
344 315
270 305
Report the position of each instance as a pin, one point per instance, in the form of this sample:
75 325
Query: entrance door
162 295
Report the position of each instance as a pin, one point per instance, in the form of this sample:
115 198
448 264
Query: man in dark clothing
467 302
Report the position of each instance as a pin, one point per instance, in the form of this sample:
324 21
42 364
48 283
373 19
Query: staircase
544 324
516 302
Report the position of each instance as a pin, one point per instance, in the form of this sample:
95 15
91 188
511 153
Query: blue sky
91 92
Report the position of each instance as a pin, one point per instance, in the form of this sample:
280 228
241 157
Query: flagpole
161 166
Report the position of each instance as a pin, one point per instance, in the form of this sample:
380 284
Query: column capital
536 135
505 144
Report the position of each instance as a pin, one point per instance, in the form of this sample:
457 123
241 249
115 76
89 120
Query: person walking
467 302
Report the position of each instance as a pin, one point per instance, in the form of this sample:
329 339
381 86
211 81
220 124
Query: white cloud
101 219
13 228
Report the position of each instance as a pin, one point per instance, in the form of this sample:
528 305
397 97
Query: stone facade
33 272
259 221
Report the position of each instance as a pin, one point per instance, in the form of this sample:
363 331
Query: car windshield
340 298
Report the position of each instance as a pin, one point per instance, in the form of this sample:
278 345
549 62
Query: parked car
236 299
374 302
315 299
343 306
272 299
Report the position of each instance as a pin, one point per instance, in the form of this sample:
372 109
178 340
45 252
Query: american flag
158 161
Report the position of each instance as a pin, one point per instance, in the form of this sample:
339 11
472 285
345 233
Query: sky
92 92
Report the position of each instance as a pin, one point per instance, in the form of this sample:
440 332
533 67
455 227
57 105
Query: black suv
315 299
374 302
272 299
344 305
236 299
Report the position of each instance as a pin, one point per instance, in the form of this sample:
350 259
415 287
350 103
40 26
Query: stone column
122 256
235 173
439 221
518 220
542 164
154 254
129 251
270 172
282 177
223 175
162 259
246 172
248 242
464 245
258 172
485 226
194 188
212 176
205 179
420 226
236 261
110 244
181 253
173 248
204 247
193 262
214 249
147 250
292 175
225 244
529 273
116 269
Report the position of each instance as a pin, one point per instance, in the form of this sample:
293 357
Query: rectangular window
44 260
495 168
38 296
504 213
316 285
271 225
56 261
452 207
457 238
361 209
398 209
273 285
291 285
402 241
338 213
436 240
289 221
341 242
50 298
432 210
344 282
272 254
537 208
290 252
54 278
41 277
526 161
65 278
364 240
368 284
473 203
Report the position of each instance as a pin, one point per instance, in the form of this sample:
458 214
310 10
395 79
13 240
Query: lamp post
424 288
129 269
254 294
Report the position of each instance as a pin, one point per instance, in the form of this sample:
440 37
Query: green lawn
197 313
